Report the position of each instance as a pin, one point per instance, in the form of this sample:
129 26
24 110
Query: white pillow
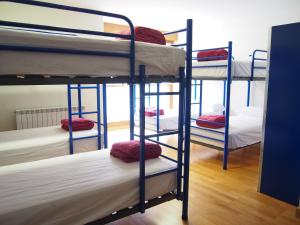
251 111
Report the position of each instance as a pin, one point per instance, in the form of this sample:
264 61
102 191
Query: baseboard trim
118 125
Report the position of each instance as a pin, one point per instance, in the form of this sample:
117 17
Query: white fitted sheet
76 189
240 69
159 60
27 145
244 130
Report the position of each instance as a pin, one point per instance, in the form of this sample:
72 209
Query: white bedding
159 60
239 69
76 189
26 145
245 128
169 121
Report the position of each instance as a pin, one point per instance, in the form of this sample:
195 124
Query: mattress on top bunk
26 145
240 69
76 189
159 60
244 129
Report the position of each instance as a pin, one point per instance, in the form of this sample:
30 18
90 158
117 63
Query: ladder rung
162 93
87 137
161 173
84 87
84 113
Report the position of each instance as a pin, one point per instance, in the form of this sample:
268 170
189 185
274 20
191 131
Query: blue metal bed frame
100 122
226 96
184 95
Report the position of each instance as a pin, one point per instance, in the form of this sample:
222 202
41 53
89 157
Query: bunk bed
72 189
25 145
242 128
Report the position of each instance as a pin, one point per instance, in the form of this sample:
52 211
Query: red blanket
152 112
77 124
129 151
211 55
149 35
216 121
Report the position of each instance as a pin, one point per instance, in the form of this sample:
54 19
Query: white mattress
240 69
76 189
26 145
244 129
169 121
159 60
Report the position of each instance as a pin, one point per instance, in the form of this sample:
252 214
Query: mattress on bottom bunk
159 60
240 69
76 189
244 130
168 121
26 145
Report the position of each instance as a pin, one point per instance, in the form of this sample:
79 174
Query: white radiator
41 117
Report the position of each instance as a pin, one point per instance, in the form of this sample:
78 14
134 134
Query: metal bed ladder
79 88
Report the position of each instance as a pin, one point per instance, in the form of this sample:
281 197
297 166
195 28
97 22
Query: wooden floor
219 197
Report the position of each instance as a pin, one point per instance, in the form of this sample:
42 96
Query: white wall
246 23
16 97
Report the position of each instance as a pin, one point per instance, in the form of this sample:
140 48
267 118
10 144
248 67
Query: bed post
104 113
98 116
248 93
180 131
157 109
131 80
188 81
142 138
70 119
227 110
79 100
251 78
200 100
224 92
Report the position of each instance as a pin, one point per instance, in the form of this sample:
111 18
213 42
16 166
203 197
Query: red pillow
211 55
129 151
145 34
213 121
152 112
77 124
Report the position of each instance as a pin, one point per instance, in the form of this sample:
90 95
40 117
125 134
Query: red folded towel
215 121
211 55
145 34
129 151
77 124
152 112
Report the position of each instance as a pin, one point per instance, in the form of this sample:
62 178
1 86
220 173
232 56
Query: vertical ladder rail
98 116
104 114
200 96
142 138
70 119
180 132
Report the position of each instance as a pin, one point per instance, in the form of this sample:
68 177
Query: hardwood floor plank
218 197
